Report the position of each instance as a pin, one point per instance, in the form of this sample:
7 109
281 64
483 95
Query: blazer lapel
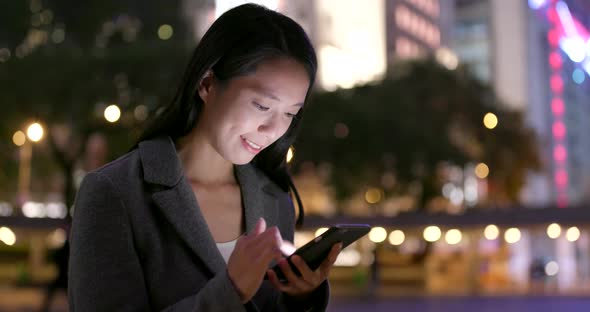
258 196
180 207
176 200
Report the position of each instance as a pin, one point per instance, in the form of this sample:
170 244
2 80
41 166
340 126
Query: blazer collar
161 166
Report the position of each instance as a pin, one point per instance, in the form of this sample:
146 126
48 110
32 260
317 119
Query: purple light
567 21
537 4
586 66
574 47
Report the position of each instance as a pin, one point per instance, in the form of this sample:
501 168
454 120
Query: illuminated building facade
536 56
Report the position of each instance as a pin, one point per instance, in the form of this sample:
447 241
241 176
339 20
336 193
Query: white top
226 249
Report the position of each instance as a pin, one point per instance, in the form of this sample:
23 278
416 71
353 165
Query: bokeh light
432 233
572 234
512 235
482 170
165 32
373 195
397 237
112 113
19 138
453 236
553 230
490 121
290 154
377 234
491 232
551 268
35 132
7 236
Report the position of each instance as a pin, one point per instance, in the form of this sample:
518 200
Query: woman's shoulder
251 175
154 160
120 169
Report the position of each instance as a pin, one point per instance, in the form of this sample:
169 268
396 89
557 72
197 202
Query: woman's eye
260 107
290 115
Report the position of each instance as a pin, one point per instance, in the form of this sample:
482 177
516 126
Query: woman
193 217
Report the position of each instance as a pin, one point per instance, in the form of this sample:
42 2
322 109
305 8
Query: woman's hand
300 286
251 257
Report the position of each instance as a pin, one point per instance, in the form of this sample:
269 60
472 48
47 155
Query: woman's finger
306 273
292 278
274 280
329 261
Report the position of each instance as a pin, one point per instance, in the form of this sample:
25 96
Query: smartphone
316 250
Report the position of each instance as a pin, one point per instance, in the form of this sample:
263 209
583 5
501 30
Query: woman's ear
206 86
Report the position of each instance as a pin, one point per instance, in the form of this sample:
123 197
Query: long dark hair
234 45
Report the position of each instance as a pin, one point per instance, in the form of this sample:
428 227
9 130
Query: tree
418 117
111 55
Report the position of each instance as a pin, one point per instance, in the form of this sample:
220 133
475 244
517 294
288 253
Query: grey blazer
140 243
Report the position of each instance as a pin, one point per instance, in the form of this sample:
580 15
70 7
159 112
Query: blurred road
29 299
464 304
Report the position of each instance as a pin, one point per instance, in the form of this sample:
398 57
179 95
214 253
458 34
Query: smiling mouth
251 146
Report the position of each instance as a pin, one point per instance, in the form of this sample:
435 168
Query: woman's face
248 113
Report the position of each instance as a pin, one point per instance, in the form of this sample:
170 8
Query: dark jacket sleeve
318 300
105 273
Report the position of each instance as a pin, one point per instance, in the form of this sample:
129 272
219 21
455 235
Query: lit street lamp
35 133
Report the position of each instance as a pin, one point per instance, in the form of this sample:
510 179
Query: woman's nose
273 127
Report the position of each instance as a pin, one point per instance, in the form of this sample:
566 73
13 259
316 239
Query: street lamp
35 133
112 113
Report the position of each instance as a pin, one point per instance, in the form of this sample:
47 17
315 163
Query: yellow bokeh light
290 154
572 234
554 230
512 235
397 237
377 234
320 231
35 132
373 195
165 32
490 121
112 113
7 236
482 170
453 237
19 138
432 233
491 232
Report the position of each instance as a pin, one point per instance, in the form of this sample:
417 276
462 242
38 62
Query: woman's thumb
260 227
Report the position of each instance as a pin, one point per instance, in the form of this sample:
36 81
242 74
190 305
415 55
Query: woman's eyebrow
271 96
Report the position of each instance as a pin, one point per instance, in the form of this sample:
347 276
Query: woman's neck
202 164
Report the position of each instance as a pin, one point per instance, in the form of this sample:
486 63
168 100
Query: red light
552 16
557 106
553 37
555 60
562 201
559 153
561 178
559 130
556 84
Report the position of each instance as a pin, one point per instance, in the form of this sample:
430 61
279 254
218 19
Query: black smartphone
316 250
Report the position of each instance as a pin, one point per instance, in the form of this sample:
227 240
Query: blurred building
536 57
355 40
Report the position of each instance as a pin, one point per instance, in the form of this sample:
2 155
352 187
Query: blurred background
456 128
